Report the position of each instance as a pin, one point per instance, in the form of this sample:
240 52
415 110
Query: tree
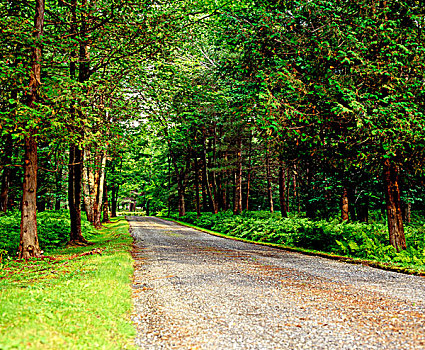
28 245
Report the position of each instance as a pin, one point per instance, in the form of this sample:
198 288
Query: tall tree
29 245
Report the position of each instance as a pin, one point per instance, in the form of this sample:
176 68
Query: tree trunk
363 210
89 186
344 204
393 204
282 190
148 212
6 175
407 209
310 210
288 187
99 184
58 179
28 245
198 204
297 200
75 152
351 203
4 194
213 166
205 197
105 218
114 198
248 175
237 202
211 200
74 194
181 183
181 200
225 191
269 183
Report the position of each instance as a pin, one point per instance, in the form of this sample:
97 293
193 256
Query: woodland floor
197 291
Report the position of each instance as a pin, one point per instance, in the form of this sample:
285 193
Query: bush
53 230
360 240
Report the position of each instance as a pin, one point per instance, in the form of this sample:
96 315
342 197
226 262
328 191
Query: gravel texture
197 291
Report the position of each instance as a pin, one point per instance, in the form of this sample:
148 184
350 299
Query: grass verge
412 270
78 298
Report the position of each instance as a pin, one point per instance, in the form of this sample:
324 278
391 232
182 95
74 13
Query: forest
292 122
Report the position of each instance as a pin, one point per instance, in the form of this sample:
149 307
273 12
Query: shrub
360 240
53 230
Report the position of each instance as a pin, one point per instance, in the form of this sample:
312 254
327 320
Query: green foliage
53 230
359 240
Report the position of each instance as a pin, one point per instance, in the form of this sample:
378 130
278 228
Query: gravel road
197 291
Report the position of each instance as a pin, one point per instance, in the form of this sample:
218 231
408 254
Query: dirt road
197 291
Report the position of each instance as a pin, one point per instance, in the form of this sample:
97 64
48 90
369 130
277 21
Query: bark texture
114 200
105 218
28 245
344 205
100 181
6 175
74 193
393 204
269 182
94 178
282 191
237 205
76 158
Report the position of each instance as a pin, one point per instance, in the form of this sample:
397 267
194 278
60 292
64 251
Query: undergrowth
357 240
74 298
53 230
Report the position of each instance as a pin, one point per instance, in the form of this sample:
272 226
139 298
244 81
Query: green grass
72 302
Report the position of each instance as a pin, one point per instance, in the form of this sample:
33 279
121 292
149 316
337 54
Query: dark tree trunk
181 199
4 195
221 193
75 155
198 204
225 191
407 209
212 205
269 183
311 208
181 184
41 205
248 175
237 199
344 205
351 203
28 245
393 203
297 200
6 175
214 194
282 191
105 218
288 187
114 199
205 197
148 212
363 210
74 193
58 189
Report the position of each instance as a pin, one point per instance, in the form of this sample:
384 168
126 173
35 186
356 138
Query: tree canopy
314 108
